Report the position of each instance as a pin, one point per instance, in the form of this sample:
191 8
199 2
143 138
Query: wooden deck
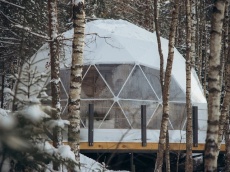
136 147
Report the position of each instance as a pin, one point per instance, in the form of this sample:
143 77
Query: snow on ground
6 121
90 165
87 165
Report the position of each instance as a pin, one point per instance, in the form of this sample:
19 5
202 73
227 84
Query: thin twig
13 4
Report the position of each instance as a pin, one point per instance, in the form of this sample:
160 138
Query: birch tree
211 146
156 13
224 118
193 32
224 129
165 116
55 68
226 63
76 79
157 29
203 58
189 160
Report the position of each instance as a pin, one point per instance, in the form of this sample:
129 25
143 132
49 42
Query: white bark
76 80
165 116
189 160
211 146
54 60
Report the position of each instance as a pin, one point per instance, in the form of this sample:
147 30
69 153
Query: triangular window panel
93 86
64 105
176 93
132 111
101 108
48 89
115 75
153 76
177 115
63 91
85 69
65 79
65 82
155 121
115 119
137 87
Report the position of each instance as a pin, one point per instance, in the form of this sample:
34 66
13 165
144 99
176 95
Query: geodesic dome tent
121 73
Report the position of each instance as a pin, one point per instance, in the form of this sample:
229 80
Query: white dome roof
121 42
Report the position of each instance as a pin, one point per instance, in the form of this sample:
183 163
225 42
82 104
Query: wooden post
91 127
195 125
132 163
143 125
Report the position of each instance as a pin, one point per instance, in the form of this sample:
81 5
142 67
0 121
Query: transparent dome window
101 109
118 91
153 76
138 87
132 110
176 93
64 105
85 69
94 86
65 82
155 120
63 91
117 118
177 115
115 75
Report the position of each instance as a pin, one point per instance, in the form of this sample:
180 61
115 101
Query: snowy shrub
26 132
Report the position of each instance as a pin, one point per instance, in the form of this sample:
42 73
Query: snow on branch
6 121
46 147
33 112
66 153
56 81
76 2
11 43
13 4
30 31
57 123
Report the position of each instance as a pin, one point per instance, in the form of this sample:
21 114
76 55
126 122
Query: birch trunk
227 128
156 12
201 31
55 68
211 146
157 29
165 116
205 65
226 99
76 80
167 153
189 141
193 32
225 108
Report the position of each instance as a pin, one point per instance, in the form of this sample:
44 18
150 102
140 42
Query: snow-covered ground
87 165
90 165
